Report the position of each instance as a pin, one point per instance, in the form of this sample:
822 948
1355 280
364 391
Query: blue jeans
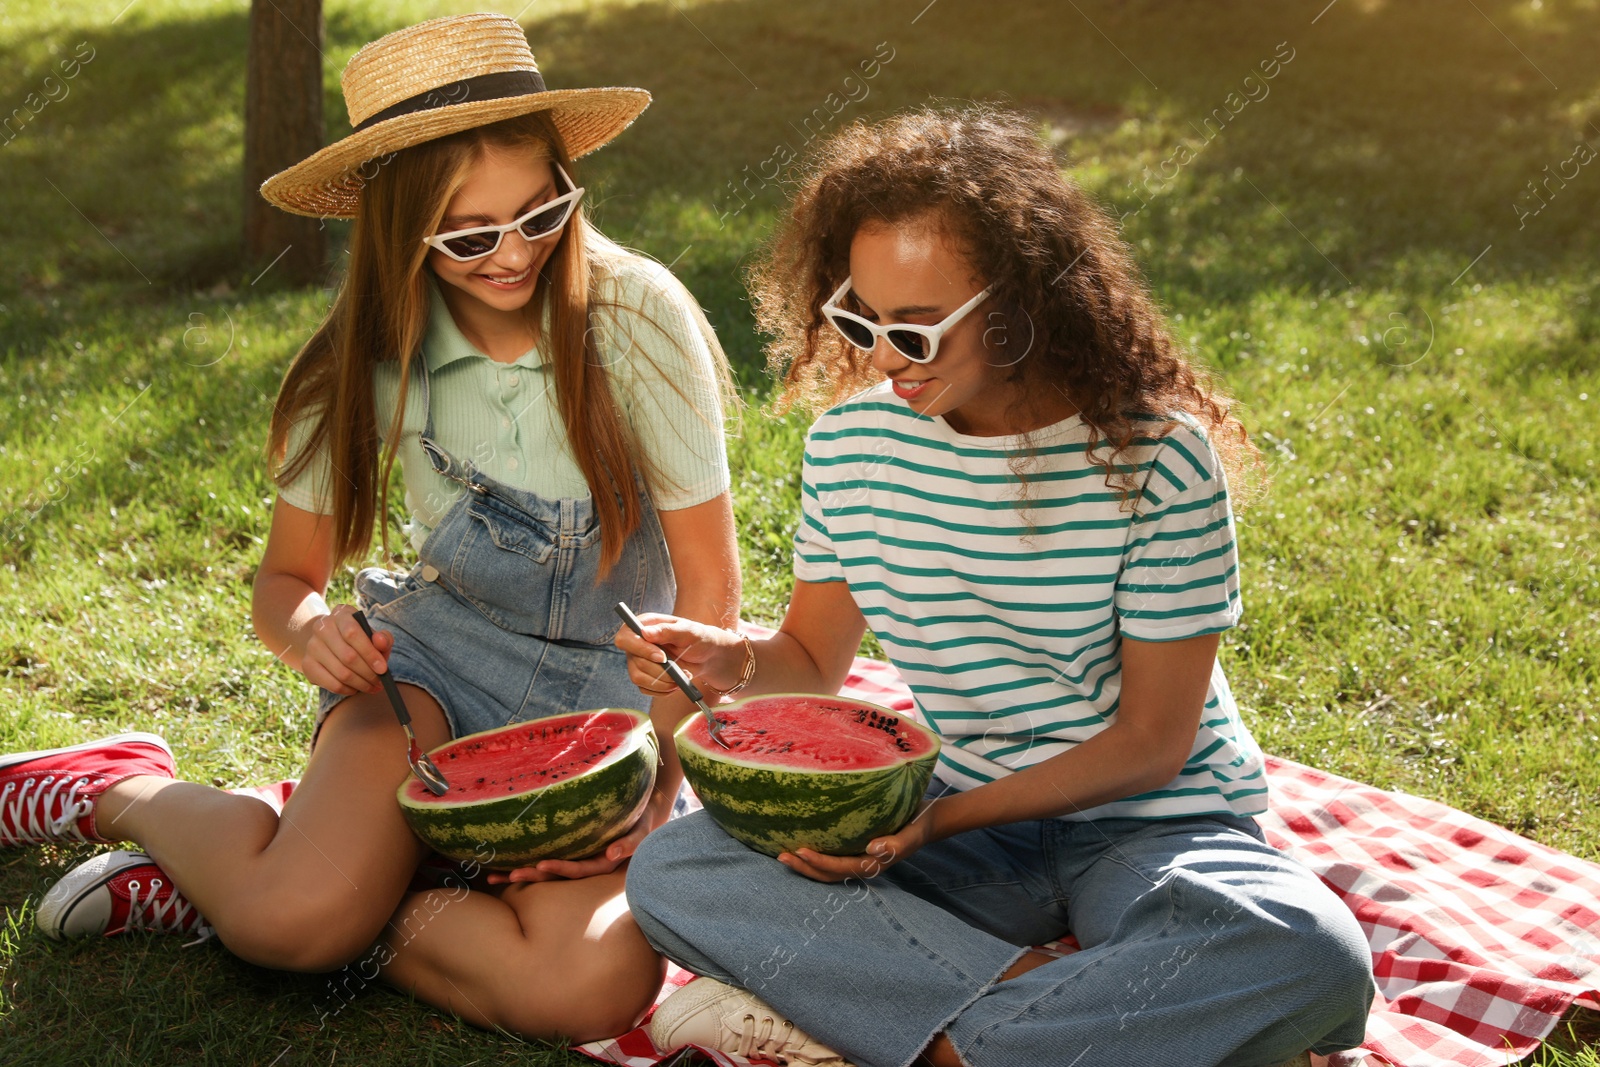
1202 944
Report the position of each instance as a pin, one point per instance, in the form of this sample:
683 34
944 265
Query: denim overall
505 617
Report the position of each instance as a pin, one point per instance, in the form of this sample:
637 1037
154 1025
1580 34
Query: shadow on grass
143 998
1354 165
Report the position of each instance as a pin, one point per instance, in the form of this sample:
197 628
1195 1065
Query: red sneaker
50 795
274 796
115 893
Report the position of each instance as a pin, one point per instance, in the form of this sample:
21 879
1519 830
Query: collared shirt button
511 462
505 422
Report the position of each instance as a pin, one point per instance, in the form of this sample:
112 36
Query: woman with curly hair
1022 487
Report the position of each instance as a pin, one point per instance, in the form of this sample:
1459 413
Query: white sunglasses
917 343
464 246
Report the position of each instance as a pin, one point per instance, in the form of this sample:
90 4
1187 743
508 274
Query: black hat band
483 87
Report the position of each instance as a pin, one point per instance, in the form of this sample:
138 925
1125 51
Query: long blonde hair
381 312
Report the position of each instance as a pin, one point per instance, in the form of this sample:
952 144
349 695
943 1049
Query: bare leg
542 959
312 889
939 1053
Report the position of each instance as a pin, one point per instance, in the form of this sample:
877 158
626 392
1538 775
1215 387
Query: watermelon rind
566 820
779 809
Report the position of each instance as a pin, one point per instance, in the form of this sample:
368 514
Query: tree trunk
282 126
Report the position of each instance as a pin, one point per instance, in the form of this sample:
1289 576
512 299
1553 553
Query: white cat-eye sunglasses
916 342
547 219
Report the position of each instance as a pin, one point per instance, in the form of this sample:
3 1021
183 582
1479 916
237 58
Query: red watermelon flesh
815 733
555 788
805 771
527 756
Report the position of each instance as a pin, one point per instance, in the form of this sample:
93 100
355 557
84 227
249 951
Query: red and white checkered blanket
1481 940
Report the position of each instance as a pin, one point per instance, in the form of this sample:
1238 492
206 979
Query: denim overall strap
461 471
532 564
507 617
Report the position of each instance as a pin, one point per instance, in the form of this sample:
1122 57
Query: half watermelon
826 773
563 787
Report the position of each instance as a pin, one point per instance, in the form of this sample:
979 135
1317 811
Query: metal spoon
679 678
422 764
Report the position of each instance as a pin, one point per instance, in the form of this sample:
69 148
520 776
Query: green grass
1421 586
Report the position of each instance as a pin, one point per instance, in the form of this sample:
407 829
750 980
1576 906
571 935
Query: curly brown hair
1062 276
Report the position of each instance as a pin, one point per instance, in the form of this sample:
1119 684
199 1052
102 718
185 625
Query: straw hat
436 78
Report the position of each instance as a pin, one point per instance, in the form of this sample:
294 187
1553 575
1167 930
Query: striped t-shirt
1009 636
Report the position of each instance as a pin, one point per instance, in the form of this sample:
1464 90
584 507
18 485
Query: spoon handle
392 690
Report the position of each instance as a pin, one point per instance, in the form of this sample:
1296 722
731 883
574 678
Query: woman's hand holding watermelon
882 852
715 658
696 646
614 856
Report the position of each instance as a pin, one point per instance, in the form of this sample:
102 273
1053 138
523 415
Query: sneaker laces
25 819
761 1040
172 915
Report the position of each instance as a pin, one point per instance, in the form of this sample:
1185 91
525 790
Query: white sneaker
725 1018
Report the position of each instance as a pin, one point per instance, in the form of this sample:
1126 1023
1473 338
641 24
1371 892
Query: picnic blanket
1481 939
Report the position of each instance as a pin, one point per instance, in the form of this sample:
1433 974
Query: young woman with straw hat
529 375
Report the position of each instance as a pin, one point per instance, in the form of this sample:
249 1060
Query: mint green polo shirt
505 419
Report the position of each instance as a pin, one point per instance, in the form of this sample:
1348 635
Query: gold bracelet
749 667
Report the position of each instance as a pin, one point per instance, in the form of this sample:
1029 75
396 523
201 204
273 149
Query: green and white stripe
1006 615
